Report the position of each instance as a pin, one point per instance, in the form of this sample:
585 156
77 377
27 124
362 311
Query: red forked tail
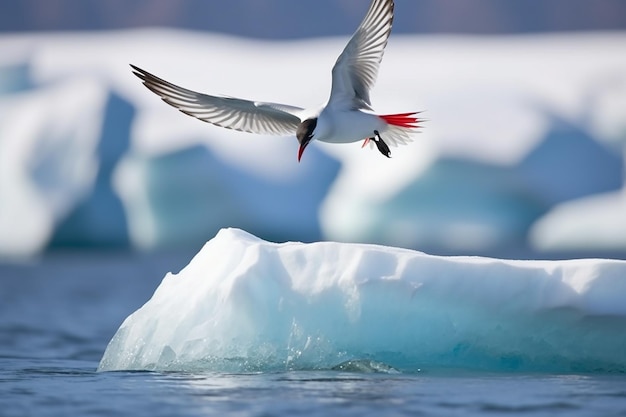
406 120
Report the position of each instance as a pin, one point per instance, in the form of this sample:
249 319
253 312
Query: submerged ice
244 304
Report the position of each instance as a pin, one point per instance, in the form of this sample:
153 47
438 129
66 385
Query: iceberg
247 305
595 222
519 127
48 163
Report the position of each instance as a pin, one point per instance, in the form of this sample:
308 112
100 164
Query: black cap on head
305 134
305 130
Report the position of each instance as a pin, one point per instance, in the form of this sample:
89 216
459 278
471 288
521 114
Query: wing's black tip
138 71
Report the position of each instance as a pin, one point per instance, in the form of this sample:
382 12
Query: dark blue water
58 314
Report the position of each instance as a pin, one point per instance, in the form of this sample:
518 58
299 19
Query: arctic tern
347 116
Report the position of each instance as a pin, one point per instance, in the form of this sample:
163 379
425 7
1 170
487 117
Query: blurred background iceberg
522 154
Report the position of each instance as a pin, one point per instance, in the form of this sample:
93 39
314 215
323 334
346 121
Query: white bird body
346 117
346 126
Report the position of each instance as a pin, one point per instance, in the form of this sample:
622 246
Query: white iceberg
595 222
244 304
69 101
48 159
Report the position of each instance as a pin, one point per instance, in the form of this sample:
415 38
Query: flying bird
347 116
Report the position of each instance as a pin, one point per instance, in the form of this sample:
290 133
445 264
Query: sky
281 19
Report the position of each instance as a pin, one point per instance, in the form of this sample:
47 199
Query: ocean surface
57 315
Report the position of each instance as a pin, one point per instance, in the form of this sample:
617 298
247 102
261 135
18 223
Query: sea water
58 314
71 387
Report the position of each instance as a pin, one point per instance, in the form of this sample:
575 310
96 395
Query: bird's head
305 134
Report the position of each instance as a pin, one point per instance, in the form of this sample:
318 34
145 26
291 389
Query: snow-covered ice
244 304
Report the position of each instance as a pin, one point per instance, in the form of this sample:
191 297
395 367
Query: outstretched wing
231 113
356 69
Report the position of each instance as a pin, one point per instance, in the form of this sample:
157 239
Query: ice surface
244 304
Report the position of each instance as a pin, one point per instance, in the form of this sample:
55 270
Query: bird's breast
347 126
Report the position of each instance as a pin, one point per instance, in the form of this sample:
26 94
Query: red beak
301 150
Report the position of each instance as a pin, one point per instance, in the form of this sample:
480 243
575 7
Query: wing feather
228 112
356 69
